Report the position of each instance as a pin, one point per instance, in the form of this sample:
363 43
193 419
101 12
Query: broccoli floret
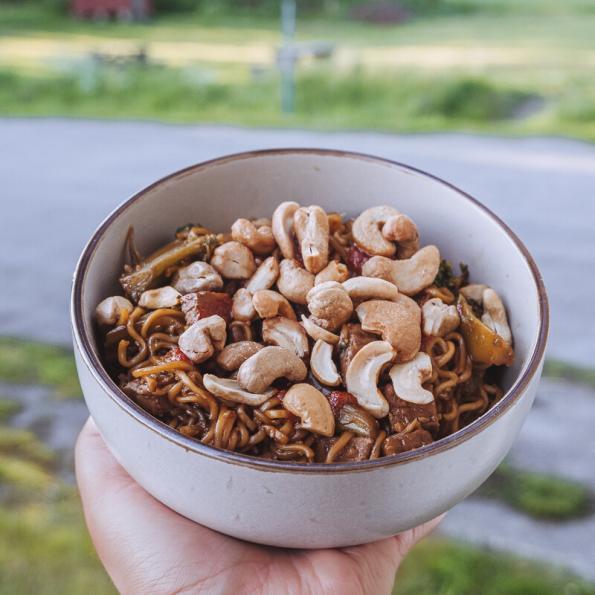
447 278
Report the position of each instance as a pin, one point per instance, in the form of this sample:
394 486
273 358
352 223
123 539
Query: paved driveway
61 177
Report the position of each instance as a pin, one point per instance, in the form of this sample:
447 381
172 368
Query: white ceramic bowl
317 505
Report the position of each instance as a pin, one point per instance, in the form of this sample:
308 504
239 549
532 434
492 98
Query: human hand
148 548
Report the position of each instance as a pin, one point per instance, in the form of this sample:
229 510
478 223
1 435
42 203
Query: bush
472 99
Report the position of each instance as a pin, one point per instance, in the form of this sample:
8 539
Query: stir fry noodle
310 337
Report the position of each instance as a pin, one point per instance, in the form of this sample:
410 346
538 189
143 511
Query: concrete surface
557 438
60 178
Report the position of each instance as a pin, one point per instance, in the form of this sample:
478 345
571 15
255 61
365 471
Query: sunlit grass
29 362
566 371
45 548
8 408
324 100
444 567
540 495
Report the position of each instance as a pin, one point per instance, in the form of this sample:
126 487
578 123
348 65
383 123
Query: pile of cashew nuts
293 296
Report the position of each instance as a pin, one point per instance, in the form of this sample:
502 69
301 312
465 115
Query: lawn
44 547
490 66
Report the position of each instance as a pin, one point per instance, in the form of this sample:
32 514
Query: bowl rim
84 343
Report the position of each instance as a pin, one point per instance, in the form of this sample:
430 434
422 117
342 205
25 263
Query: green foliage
28 362
45 549
44 546
25 445
557 369
442 567
8 408
352 99
22 476
446 277
539 495
472 99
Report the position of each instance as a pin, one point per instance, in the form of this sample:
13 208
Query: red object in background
103 9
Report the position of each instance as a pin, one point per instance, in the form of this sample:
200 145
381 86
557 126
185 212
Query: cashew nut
241 306
408 378
198 276
233 261
366 230
259 239
329 304
286 333
361 378
294 282
162 297
318 333
333 271
403 231
494 315
398 322
282 227
200 340
438 318
312 407
229 389
322 365
410 275
312 231
369 288
109 310
235 354
260 221
269 304
265 276
240 330
260 370
474 292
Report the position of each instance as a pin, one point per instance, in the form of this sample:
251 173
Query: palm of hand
148 548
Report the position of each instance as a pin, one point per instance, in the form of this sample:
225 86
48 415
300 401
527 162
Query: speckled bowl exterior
289 504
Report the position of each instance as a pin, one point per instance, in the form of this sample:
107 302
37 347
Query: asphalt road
60 178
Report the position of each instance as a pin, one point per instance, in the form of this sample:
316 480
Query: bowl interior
251 185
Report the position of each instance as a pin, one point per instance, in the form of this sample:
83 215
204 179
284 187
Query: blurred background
98 98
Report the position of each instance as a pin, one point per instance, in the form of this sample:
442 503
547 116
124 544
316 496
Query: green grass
44 545
443 567
542 49
358 100
557 369
539 495
8 408
29 362
45 549
25 445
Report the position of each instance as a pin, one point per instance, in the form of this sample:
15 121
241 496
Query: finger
379 561
406 540
139 540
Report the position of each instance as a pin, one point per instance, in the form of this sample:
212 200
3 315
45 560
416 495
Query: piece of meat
358 449
338 399
196 424
402 413
356 339
138 391
175 354
356 258
398 443
203 304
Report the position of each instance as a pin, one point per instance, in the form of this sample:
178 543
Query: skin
147 548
